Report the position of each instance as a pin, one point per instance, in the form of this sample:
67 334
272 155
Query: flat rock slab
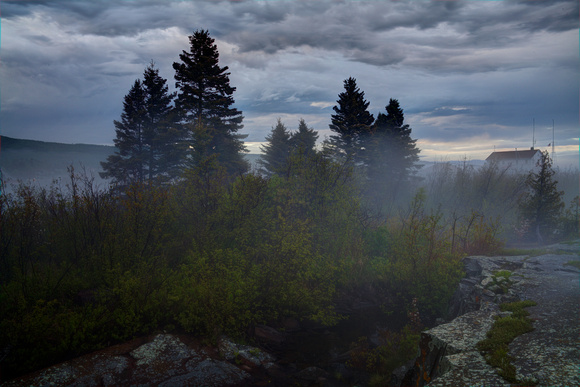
464 369
550 354
465 331
547 356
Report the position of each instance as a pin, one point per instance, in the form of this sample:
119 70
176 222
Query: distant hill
41 163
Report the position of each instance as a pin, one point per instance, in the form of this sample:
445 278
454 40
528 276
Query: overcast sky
470 75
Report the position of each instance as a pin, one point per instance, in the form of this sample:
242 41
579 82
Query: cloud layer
469 74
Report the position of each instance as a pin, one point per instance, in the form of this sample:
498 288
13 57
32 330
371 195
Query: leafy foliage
570 219
209 254
394 349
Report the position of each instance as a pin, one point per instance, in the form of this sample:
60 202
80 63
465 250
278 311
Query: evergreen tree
543 203
392 155
303 141
277 150
127 164
205 102
351 123
162 132
146 139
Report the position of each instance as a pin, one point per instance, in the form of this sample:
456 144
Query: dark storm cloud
360 29
84 9
459 68
551 16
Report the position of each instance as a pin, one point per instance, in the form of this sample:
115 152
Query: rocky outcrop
164 360
481 286
244 353
448 347
548 356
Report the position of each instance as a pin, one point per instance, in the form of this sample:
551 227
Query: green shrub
393 351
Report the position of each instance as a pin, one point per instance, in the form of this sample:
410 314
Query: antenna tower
533 133
553 144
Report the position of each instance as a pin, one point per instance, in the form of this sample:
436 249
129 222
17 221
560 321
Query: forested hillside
41 163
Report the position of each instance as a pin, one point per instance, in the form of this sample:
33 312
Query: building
518 161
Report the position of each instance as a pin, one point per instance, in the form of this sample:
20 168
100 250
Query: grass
503 273
576 264
495 347
512 252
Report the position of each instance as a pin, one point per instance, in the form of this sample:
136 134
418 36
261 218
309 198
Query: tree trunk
538 235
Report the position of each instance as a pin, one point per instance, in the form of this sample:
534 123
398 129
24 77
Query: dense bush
82 268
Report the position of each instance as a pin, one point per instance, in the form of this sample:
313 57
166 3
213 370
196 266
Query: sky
472 76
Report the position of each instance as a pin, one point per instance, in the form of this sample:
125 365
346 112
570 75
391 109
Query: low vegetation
576 264
512 252
394 350
504 330
82 268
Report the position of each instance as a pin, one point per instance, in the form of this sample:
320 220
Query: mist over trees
382 149
189 240
542 204
276 150
392 155
304 139
282 145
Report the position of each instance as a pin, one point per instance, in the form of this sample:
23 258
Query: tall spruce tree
205 103
351 123
128 164
303 141
543 204
163 135
392 155
146 138
276 150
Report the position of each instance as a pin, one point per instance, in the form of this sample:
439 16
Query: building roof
513 155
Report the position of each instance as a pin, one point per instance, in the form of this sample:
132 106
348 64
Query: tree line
161 134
